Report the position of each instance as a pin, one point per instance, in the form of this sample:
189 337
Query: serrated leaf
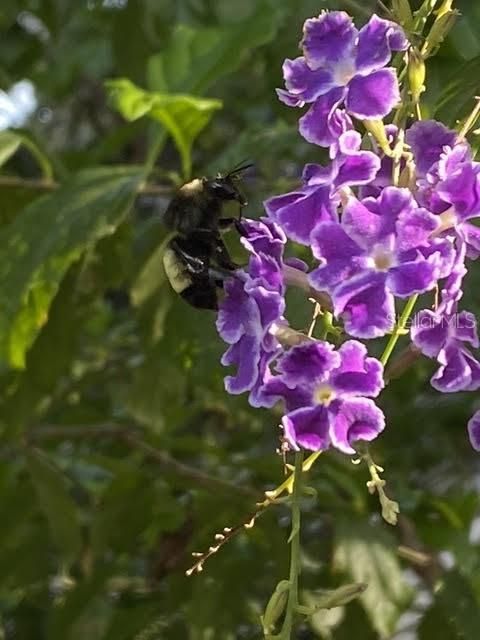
183 116
195 58
9 143
56 504
367 555
45 239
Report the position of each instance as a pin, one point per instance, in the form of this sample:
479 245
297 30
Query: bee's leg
223 257
193 264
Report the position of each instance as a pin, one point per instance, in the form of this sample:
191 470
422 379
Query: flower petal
429 332
357 374
459 371
412 277
372 97
246 355
474 430
301 211
308 428
366 306
308 363
324 122
356 419
375 43
328 39
427 139
302 84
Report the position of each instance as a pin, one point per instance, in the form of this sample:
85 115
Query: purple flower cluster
382 226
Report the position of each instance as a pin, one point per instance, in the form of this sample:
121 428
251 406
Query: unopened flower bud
439 31
416 73
401 10
377 129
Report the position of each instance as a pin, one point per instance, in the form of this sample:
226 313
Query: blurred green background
120 451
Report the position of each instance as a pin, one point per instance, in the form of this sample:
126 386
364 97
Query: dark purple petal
375 43
308 363
451 291
372 97
271 305
258 397
302 84
474 430
265 272
263 236
355 419
412 277
308 428
245 354
328 39
427 140
324 122
366 306
429 332
300 212
317 174
338 251
357 374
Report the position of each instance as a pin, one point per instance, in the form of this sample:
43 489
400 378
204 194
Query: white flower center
383 258
344 72
324 394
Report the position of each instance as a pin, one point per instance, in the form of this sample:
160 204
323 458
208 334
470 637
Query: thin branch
42 185
130 436
405 359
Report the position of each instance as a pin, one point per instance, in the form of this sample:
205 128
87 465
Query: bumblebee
196 260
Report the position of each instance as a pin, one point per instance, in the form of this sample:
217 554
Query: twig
40 184
130 437
402 362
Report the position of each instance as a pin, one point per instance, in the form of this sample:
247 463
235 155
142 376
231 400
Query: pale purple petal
308 428
358 168
456 370
375 43
414 228
355 419
366 306
357 374
308 363
245 354
429 332
427 140
328 39
238 312
338 251
302 84
462 190
465 328
474 430
324 121
374 96
471 235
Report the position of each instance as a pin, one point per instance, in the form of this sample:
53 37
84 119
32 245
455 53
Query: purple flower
252 308
382 248
428 140
342 66
474 430
443 337
325 394
300 212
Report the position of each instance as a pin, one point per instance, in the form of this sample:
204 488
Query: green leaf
183 116
367 555
195 59
455 613
9 143
45 239
56 504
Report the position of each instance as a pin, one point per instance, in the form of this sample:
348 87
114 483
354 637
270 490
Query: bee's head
226 187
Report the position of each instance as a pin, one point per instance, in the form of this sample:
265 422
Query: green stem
42 160
292 604
397 332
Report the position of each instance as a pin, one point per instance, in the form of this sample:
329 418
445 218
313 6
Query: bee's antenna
240 168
